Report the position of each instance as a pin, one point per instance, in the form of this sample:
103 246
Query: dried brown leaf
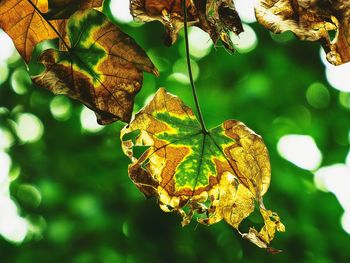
311 20
217 18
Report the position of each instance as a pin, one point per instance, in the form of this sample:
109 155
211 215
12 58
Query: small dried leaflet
212 176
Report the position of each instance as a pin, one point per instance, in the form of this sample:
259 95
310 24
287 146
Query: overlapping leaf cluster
217 18
210 175
96 63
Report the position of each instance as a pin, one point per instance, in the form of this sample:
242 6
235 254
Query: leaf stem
194 92
50 24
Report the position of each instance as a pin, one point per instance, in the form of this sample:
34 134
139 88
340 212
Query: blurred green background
64 190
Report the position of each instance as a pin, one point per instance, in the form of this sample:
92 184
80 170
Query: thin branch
50 24
194 92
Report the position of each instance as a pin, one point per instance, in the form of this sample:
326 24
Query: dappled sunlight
200 42
337 76
336 179
180 71
121 11
6 139
20 81
344 99
88 121
7 48
5 164
318 96
245 41
12 227
345 221
245 9
61 108
29 128
4 72
300 150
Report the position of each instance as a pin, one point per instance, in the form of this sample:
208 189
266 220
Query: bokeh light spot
120 10
7 47
283 37
345 221
336 179
60 230
5 164
245 9
88 121
125 228
344 99
4 72
161 63
200 42
12 227
6 139
337 76
300 150
29 195
29 128
180 71
61 108
246 41
318 96
20 81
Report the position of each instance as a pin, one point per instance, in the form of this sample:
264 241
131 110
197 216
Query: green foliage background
91 211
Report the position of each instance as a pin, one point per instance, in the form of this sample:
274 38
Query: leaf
103 67
27 27
63 9
212 176
217 18
312 21
24 25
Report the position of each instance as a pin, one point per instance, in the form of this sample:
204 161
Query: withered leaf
103 67
311 20
24 25
217 18
213 176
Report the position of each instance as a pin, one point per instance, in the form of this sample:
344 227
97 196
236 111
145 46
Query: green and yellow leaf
217 18
103 67
213 176
312 21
